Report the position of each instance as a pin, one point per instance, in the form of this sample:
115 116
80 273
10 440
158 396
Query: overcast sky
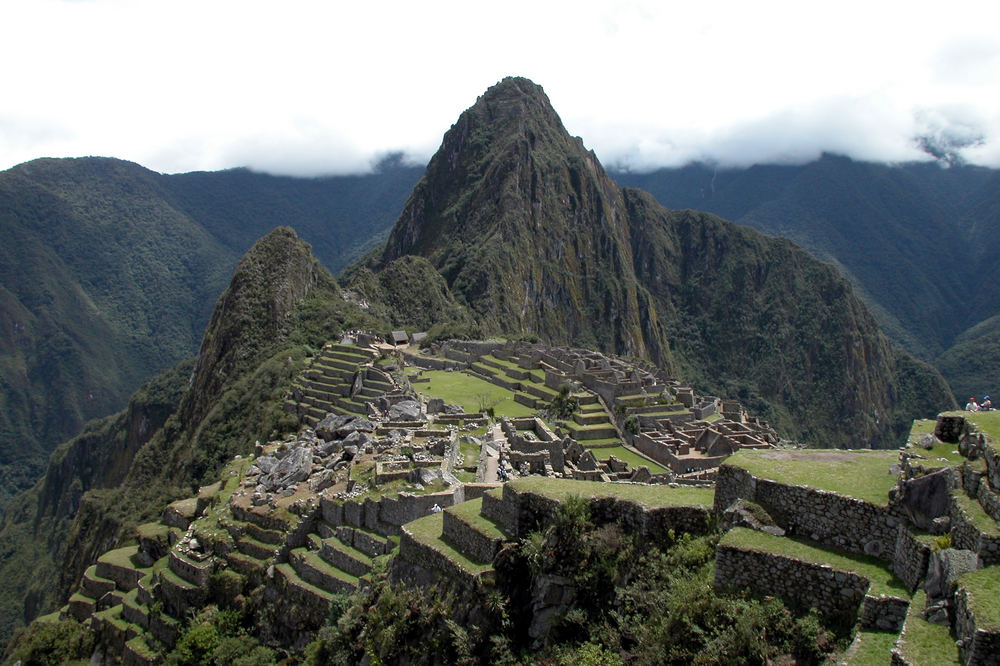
325 87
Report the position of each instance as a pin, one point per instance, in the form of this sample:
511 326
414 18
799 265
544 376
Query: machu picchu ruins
423 464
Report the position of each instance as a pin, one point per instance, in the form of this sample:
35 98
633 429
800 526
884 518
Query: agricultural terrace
882 580
862 474
648 496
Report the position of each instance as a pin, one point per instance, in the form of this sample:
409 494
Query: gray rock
331 423
357 425
350 452
928 441
435 406
943 570
926 497
330 448
267 464
294 467
453 409
405 410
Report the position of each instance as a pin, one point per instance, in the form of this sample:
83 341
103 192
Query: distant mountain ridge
919 241
108 273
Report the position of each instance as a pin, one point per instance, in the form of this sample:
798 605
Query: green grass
940 450
471 513
986 422
470 454
646 495
974 510
427 530
458 388
121 557
632 458
983 587
860 474
882 580
923 642
872 648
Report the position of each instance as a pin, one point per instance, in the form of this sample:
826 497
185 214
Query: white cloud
316 87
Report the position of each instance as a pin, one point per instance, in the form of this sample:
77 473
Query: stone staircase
340 380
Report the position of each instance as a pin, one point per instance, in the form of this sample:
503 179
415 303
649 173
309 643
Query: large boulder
331 423
926 497
405 410
293 468
357 425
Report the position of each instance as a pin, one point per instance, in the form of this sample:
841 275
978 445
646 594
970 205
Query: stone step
245 564
468 531
248 545
93 585
295 583
117 565
366 541
315 570
142 650
333 361
422 544
255 531
133 611
81 606
540 391
584 433
590 418
344 557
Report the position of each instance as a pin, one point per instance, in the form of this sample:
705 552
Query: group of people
973 406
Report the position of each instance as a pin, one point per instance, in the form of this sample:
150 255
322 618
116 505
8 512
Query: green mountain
178 430
109 271
514 229
915 240
532 234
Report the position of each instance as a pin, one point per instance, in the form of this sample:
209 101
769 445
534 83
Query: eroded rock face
328 427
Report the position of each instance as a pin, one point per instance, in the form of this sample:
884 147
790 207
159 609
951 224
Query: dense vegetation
651 606
917 241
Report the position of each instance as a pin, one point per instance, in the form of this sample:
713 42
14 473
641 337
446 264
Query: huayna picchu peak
550 420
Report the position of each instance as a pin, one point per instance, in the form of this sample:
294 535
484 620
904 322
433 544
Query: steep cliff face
252 314
528 230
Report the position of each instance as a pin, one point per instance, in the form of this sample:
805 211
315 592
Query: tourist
972 405
987 404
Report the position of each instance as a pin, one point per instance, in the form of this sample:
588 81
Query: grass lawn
860 474
882 580
651 496
983 587
458 388
974 510
633 459
941 450
923 642
872 648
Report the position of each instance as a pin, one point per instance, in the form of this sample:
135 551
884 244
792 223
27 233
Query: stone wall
910 559
883 613
976 645
386 515
989 500
836 595
827 518
467 540
965 535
